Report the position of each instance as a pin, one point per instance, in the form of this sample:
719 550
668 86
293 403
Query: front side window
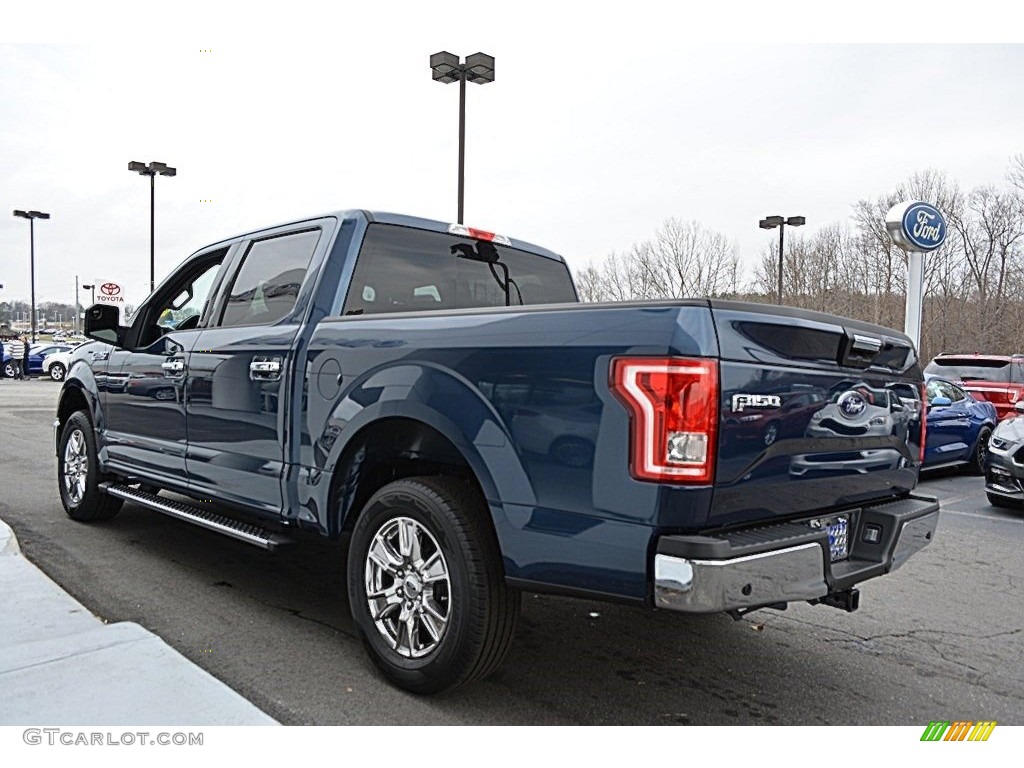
267 286
940 388
402 269
180 307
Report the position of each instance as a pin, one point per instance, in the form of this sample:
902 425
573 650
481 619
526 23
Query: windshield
970 370
401 269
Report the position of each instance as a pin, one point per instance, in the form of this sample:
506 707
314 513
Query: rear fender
434 396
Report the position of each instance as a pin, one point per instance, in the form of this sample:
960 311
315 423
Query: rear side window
401 269
960 369
267 285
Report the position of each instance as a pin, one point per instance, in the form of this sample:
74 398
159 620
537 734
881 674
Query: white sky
604 120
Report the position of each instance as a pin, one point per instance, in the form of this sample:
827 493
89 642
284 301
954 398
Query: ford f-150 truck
434 396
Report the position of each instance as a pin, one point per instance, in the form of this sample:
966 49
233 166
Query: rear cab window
403 269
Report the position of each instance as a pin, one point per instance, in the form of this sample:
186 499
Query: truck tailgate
811 414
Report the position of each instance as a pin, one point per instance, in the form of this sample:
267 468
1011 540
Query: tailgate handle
859 350
866 344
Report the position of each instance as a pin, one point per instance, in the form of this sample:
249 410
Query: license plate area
838 527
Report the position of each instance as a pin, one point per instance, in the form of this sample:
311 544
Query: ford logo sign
916 226
924 226
852 404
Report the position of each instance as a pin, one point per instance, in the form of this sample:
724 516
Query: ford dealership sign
916 226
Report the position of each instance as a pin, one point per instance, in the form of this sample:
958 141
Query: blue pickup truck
434 396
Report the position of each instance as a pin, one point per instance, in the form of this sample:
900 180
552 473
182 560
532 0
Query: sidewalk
60 665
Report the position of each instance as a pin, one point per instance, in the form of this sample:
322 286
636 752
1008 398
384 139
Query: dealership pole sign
109 292
918 228
112 293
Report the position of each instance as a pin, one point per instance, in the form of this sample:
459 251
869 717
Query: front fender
80 384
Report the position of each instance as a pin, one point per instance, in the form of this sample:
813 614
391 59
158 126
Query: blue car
35 357
959 427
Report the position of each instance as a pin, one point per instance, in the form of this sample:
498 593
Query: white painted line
944 511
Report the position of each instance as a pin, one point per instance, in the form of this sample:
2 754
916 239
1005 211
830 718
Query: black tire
82 500
771 433
979 453
10 370
1001 501
58 372
480 610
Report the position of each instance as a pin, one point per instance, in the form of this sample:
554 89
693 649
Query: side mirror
940 402
102 323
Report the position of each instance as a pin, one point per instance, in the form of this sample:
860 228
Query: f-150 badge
740 402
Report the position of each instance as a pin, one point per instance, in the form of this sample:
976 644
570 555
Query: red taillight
673 407
924 422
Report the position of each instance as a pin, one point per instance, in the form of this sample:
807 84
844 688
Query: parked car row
970 381
47 359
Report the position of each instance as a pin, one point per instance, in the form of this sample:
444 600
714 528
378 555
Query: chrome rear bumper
786 562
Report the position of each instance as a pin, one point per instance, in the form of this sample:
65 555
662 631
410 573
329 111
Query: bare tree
682 259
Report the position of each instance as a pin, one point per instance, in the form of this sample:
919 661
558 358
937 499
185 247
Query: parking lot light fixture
771 222
32 216
478 68
152 170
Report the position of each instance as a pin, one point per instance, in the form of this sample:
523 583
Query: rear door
237 381
810 417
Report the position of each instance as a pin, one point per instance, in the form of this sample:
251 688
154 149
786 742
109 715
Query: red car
996 378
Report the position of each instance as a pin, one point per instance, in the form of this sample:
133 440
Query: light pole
93 289
477 68
771 222
32 216
152 170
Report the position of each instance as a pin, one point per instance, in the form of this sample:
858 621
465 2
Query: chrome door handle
265 368
173 368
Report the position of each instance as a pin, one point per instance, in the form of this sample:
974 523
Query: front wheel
10 370
78 473
426 586
57 371
979 456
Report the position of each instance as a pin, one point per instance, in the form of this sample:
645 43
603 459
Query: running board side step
204 518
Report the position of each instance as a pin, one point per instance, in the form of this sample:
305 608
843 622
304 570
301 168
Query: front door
144 388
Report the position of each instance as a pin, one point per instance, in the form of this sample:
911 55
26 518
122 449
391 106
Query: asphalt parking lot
943 638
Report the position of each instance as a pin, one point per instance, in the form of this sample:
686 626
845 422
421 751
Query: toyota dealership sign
109 292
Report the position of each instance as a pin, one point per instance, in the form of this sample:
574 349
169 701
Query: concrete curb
61 665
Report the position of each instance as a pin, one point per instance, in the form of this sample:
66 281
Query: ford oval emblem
923 226
852 404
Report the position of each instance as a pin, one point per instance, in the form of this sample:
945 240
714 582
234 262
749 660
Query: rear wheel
78 473
57 371
426 586
979 456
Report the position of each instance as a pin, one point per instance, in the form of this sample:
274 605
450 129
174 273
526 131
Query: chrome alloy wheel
76 466
408 589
